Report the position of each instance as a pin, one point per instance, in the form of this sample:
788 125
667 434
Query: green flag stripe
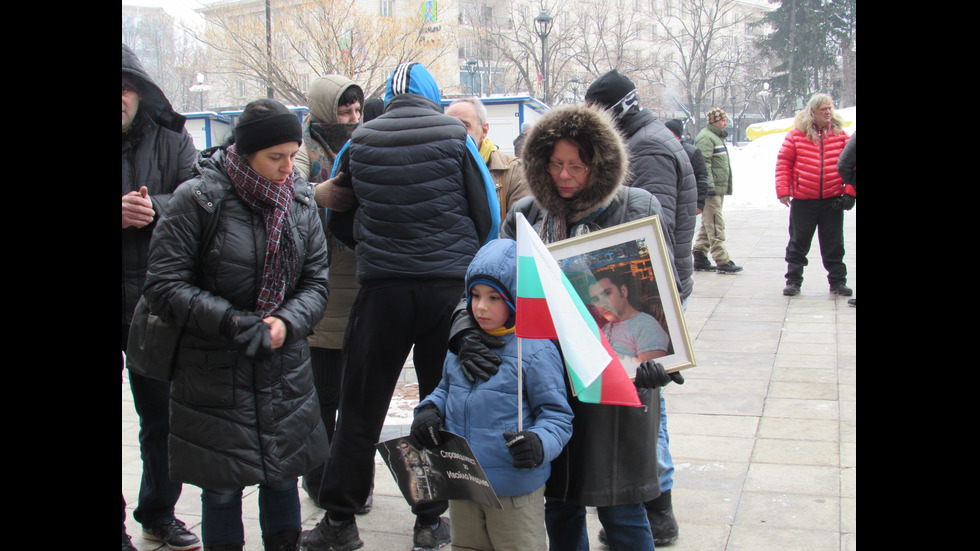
528 280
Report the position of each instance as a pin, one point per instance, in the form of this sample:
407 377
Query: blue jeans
665 463
627 527
221 512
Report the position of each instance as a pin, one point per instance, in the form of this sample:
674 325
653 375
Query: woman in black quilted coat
242 408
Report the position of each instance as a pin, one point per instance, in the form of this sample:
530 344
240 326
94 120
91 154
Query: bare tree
587 39
704 51
311 38
167 53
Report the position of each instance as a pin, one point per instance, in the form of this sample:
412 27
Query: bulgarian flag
548 307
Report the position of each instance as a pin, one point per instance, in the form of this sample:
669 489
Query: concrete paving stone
703 506
810 328
793 360
848 514
715 289
692 473
718 362
848 454
794 511
796 452
817 480
802 409
734 313
717 405
848 542
806 391
848 431
763 327
826 375
814 337
718 387
848 482
807 349
684 424
820 430
847 392
754 538
739 344
759 338
724 449
847 364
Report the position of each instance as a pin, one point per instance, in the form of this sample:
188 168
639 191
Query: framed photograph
625 278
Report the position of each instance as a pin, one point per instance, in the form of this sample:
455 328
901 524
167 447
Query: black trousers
387 319
158 494
805 217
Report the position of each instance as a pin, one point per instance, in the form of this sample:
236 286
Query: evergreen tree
811 43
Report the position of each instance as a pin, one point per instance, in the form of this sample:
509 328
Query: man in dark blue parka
425 203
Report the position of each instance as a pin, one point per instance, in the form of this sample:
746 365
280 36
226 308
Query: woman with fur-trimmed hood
576 164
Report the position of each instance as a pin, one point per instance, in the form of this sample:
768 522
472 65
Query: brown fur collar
609 167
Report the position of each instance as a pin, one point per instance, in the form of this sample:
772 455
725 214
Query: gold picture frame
625 277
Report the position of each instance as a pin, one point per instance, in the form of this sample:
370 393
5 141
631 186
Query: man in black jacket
157 155
697 160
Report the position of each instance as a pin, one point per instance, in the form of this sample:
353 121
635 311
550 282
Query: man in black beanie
157 156
659 165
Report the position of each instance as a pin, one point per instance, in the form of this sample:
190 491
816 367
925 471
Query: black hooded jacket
157 152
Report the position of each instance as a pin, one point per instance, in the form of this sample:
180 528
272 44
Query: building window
387 8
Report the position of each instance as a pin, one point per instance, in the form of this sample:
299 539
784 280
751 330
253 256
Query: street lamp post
471 69
200 88
575 82
543 26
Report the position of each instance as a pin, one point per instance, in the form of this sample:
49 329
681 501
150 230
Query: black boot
663 525
701 262
224 546
286 540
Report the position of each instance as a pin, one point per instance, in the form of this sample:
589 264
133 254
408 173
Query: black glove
249 333
651 374
845 202
711 192
525 447
475 356
256 341
425 427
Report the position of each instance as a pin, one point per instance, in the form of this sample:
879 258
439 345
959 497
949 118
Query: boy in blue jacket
517 464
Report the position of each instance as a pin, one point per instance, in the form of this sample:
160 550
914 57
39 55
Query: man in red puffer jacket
808 183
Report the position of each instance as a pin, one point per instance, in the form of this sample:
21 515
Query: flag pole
520 387
520 359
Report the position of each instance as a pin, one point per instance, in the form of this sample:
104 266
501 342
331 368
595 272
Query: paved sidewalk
763 433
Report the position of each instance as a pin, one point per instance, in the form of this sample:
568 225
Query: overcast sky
178 9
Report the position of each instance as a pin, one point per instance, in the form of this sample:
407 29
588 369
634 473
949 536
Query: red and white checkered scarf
272 201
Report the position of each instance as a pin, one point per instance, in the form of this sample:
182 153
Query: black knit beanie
261 133
613 91
675 126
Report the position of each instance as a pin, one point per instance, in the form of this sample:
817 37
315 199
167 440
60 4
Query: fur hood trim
594 128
